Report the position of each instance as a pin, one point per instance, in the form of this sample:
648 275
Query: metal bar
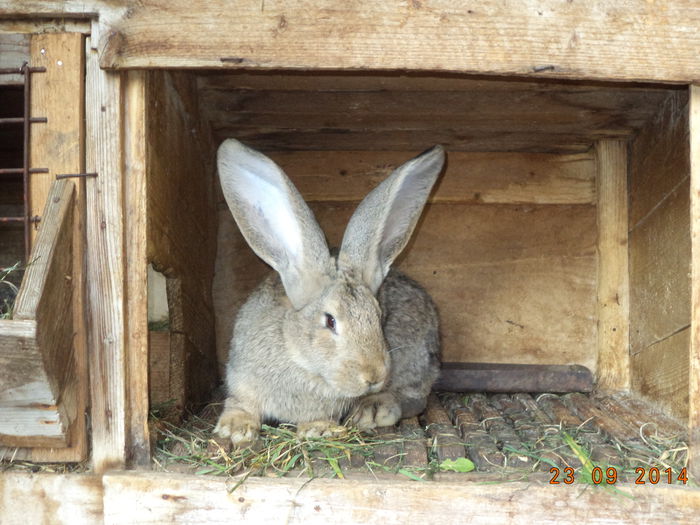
19 171
25 162
20 120
73 175
11 219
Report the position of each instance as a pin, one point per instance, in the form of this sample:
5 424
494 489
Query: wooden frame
553 41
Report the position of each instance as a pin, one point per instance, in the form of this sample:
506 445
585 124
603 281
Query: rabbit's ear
383 222
275 220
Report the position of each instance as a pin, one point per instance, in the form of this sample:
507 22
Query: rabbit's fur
327 338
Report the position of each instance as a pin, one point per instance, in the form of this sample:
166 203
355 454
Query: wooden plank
661 373
613 273
659 160
136 286
105 264
59 146
694 362
56 95
624 41
494 377
50 498
660 271
154 498
480 178
524 117
159 368
181 229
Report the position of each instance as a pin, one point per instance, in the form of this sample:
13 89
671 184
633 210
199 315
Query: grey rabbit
327 339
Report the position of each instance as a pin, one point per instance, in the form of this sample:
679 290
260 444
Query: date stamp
609 476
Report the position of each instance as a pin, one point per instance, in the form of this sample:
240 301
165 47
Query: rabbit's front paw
317 429
241 427
376 410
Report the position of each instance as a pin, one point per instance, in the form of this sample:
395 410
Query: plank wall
659 241
507 248
181 231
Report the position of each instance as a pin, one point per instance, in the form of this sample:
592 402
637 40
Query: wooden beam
135 125
495 377
170 498
105 263
613 271
50 498
632 40
694 383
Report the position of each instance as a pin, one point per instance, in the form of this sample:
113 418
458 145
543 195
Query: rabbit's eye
330 322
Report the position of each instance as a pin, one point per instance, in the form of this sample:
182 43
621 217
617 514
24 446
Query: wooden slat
154 498
494 377
694 362
624 41
613 271
50 498
479 178
56 95
136 287
105 264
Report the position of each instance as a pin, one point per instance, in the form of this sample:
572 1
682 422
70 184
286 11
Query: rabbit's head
333 325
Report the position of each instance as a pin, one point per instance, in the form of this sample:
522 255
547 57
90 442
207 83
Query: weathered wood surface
136 286
465 115
181 229
632 40
660 256
157 498
493 377
36 347
694 362
105 263
51 499
478 178
613 269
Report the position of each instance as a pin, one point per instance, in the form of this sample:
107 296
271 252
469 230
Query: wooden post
694 365
59 145
138 447
613 271
105 263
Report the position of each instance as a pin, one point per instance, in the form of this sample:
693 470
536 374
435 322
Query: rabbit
328 338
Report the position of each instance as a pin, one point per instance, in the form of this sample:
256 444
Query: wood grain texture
660 271
155 498
630 40
613 270
105 263
661 373
57 95
136 287
181 228
473 116
479 178
50 498
694 365
513 284
38 363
